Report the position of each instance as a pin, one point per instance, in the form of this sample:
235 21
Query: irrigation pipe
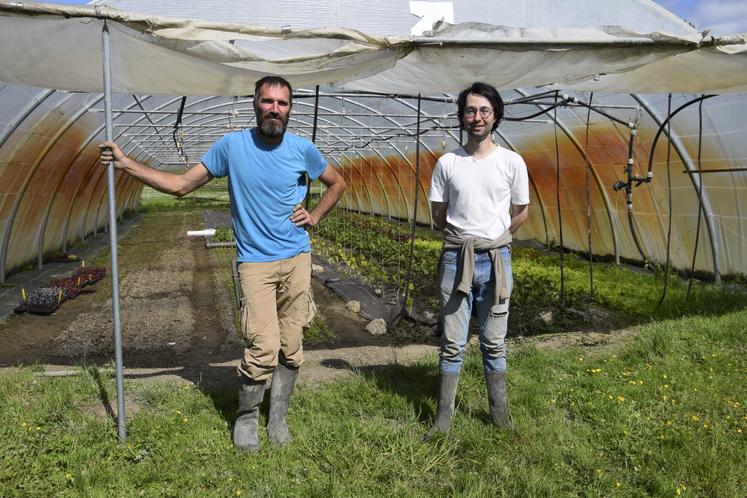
628 187
588 200
700 204
557 195
669 207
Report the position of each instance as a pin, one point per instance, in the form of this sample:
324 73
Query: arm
519 214
168 183
335 187
438 214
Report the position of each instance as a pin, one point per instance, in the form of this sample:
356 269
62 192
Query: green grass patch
213 195
664 416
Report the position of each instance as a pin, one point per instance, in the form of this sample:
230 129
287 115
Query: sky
722 17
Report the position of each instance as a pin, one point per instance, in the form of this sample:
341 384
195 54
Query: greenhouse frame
628 118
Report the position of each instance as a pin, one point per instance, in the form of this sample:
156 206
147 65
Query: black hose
669 203
539 113
588 202
661 128
700 199
560 216
177 124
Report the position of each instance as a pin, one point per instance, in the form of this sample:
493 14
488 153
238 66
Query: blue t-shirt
264 183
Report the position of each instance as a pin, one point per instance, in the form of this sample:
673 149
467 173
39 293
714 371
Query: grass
213 195
664 416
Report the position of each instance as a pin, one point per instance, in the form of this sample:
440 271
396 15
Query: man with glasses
266 168
479 196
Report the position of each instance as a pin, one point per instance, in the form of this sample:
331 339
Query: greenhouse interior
629 120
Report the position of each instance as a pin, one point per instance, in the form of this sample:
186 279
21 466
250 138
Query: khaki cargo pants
276 306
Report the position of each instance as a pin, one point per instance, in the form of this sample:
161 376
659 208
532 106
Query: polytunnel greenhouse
631 264
379 103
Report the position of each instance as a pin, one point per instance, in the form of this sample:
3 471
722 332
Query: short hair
483 90
272 81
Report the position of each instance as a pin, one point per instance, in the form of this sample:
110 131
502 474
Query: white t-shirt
480 191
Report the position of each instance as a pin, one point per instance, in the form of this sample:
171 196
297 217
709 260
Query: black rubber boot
497 398
245 436
283 380
447 388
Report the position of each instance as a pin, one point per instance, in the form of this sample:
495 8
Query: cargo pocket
310 309
247 331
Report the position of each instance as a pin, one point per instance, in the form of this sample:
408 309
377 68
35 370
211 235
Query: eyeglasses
471 112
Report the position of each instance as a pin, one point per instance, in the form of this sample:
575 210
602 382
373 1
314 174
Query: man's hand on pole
110 152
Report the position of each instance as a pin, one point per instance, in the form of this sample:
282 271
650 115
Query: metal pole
408 307
313 140
113 239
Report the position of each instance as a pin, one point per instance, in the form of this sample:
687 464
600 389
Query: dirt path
177 324
176 321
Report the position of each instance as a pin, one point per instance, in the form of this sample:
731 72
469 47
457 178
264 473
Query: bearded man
266 168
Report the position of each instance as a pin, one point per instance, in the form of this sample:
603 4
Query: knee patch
499 310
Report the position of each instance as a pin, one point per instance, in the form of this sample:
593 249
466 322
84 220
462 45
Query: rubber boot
497 399
447 388
245 436
283 380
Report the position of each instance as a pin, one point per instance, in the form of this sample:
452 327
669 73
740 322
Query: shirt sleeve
315 162
216 158
439 191
520 183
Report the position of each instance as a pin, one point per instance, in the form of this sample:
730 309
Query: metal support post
113 238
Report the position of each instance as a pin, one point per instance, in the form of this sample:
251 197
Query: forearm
438 214
168 183
519 214
327 201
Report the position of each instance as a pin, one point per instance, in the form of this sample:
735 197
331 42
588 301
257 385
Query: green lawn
664 416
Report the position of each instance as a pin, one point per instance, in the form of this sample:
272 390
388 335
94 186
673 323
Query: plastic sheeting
166 56
52 190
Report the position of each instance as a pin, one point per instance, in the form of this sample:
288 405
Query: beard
271 126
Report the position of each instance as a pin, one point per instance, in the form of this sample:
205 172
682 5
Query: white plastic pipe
208 232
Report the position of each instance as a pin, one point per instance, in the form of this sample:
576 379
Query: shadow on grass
417 383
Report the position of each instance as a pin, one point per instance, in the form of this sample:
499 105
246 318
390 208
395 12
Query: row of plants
362 246
46 300
377 251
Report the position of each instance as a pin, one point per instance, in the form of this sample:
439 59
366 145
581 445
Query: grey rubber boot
283 380
497 398
447 388
245 436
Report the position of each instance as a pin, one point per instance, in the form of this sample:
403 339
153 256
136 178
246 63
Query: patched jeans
456 310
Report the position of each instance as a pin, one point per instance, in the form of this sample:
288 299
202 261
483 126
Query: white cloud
722 17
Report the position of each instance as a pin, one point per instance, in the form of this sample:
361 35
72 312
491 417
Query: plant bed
69 286
43 301
65 258
42 309
89 274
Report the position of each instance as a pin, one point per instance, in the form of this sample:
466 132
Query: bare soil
177 322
